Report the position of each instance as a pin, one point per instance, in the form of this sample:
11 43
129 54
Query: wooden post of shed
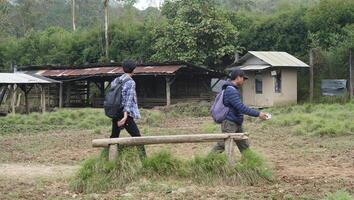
169 82
43 102
351 73
311 75
13 99
88 92
60 95
26 90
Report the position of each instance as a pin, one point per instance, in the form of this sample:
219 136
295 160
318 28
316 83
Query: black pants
132 129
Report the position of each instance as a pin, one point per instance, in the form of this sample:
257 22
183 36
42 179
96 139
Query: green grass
98 174
340 195
70 119
211 128
188 110
315 119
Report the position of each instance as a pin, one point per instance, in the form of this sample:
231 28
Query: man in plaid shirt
130 105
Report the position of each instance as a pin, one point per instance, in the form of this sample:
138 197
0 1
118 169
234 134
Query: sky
143 4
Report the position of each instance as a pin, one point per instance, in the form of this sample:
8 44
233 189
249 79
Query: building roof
22 78
274 59
118 70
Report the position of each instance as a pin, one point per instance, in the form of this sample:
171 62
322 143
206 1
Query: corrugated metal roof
21 78
255 67
275 58
140 70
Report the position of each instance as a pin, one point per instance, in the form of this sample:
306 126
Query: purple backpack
218 110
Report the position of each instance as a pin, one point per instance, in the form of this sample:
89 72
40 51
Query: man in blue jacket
234 119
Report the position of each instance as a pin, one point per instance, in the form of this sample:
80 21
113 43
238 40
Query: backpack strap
121 82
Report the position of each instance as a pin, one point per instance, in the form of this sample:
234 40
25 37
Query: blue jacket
232 99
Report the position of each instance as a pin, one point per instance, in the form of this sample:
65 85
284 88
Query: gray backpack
113 100
218 110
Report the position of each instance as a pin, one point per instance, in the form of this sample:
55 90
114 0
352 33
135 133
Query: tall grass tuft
315 119
211 168
340 195
163 164
98 174
252 168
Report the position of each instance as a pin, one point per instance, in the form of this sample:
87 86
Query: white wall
269 98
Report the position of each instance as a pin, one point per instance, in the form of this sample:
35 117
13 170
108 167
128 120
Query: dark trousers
231 127
132 129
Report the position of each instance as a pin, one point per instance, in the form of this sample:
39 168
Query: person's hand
121 122
263 116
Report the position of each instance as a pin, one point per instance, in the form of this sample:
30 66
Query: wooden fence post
112 151
229 149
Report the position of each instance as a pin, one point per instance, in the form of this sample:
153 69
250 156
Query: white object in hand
269 116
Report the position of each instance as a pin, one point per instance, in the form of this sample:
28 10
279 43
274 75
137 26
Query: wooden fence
229 138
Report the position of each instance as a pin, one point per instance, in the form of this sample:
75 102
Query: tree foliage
196 31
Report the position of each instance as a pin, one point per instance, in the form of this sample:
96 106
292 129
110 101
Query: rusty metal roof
104 71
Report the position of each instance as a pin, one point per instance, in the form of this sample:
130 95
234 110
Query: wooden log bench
229 138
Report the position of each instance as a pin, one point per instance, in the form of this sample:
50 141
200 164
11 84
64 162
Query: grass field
308 150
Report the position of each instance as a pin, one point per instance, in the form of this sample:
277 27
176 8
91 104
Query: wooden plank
132 141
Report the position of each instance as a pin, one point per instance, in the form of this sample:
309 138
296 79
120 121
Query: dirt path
28 171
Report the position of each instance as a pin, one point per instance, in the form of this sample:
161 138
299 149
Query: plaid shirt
129 100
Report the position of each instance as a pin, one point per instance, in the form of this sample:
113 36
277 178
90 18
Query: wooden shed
157 84
33 87
272 78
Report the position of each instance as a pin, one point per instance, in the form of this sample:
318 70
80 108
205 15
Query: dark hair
237 72
129 66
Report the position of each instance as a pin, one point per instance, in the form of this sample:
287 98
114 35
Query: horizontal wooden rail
228 138
145 140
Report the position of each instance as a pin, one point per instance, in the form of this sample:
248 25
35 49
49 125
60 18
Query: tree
196 31
73 14
105 4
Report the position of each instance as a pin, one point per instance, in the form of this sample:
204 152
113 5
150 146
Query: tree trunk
351 73
311 74
73 15
106 25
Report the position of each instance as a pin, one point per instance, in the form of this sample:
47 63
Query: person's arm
234 99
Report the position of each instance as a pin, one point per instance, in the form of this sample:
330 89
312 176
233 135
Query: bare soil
41 165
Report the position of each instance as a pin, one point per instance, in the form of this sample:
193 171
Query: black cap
237 72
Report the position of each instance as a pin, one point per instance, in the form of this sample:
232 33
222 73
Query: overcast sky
143 4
